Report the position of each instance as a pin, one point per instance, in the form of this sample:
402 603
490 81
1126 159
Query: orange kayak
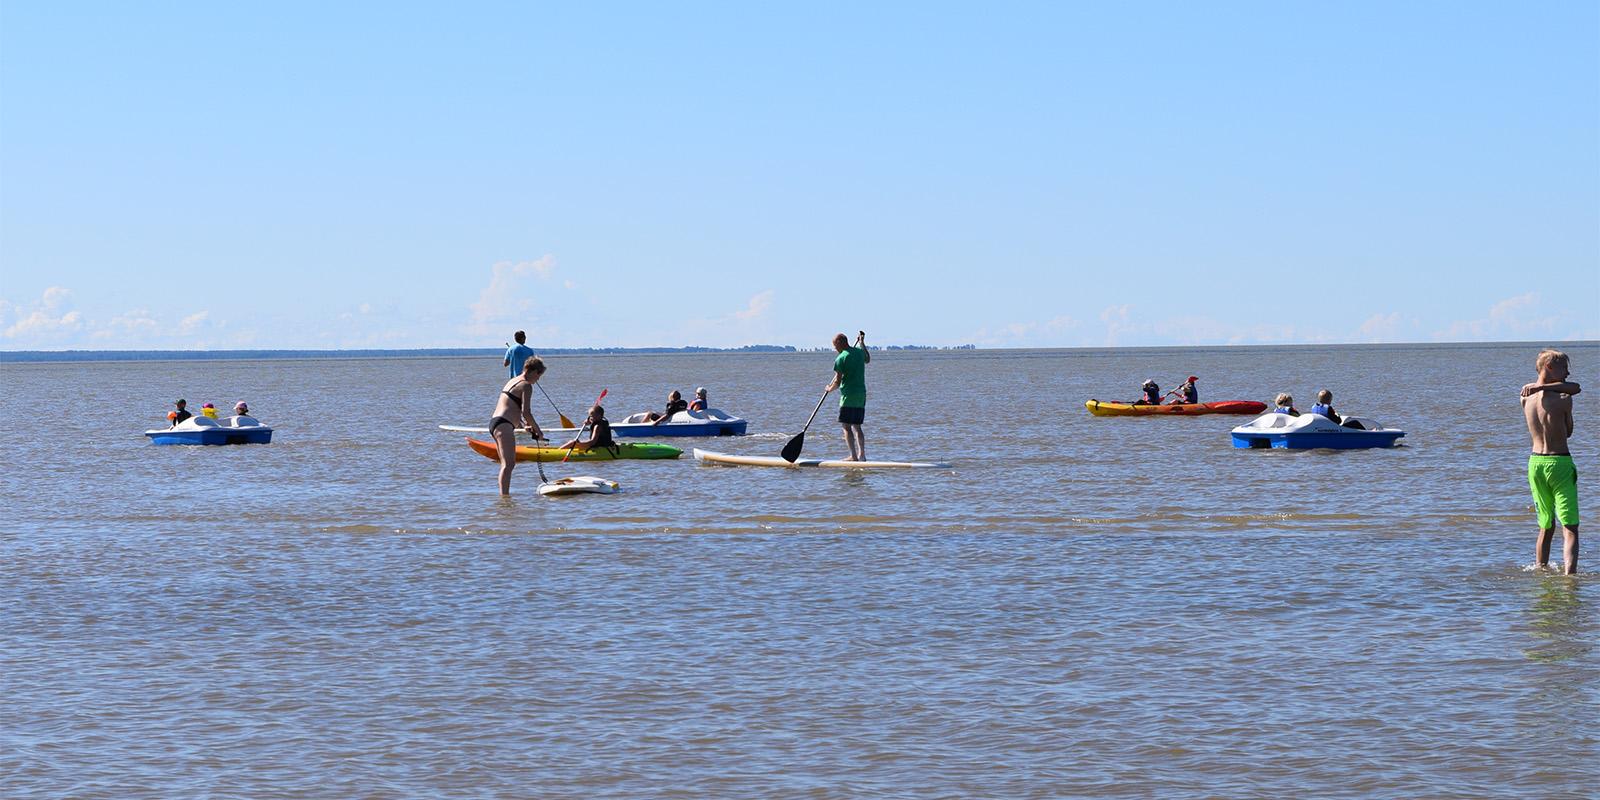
1107 408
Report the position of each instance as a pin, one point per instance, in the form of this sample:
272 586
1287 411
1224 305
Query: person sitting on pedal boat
1324 406
1285 405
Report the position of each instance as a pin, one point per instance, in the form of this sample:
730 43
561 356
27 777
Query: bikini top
514 398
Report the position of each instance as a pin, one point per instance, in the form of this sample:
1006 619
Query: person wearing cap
1152 394
1187 394
699 401
242 411
209 410
176 417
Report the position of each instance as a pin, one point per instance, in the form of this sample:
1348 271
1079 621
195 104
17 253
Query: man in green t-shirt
850 378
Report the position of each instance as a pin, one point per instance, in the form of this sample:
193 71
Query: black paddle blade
791 451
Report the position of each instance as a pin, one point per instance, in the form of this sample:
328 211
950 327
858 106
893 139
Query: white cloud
46 321
502 298
748 325
192 322
757 308
1117 324
1520 317
1381 327
1028 334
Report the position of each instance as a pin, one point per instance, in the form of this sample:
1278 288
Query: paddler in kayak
1186 393
1152 394
599 433
515 403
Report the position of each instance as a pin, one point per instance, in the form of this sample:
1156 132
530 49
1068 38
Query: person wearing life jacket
1324 406
1152 394
1285 405
177 417
599 433
1187 394
699 401
674 405
209 410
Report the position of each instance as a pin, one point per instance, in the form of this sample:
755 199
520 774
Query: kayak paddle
584 428
565 423
791 451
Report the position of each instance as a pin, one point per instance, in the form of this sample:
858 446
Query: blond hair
1283 400
535 366
1549 356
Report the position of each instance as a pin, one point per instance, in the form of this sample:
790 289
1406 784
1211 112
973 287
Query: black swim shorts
852 415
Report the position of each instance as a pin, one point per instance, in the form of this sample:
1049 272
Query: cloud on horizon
503 299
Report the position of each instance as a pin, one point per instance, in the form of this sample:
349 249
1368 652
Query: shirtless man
1547 406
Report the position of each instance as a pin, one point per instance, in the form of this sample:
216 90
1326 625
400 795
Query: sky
1056 174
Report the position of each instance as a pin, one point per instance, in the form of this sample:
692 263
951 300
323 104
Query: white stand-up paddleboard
583 484
774 461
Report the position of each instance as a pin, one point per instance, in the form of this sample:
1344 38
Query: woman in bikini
514 404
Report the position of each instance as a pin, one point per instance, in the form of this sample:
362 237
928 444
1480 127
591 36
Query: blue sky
1016 174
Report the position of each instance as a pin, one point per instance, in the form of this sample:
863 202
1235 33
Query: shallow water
1080 607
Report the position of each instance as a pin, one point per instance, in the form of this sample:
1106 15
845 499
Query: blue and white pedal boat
1313 431
711 422
201 429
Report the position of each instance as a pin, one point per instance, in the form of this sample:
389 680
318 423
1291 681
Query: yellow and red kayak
625 450
1108 408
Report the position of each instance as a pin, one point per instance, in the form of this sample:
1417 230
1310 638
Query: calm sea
1081 607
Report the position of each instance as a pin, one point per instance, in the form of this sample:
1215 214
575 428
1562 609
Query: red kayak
1107 408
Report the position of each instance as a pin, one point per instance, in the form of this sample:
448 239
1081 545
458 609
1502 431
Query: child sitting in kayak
1152 394
599 433
1187 394
1285 405
1324 406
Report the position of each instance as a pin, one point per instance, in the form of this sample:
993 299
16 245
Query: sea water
1080 607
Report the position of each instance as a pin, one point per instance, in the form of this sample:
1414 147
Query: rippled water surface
1080 607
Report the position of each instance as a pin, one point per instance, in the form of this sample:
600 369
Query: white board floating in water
584 484
775 461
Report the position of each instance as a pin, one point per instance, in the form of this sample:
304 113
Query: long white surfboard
774 461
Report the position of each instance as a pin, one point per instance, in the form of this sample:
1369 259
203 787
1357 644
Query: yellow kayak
1107 408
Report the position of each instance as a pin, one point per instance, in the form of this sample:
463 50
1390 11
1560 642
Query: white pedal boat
201 429
1313 431
711 422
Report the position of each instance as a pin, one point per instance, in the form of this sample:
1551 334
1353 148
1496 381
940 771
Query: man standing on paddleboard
850 378
518 353
1547 406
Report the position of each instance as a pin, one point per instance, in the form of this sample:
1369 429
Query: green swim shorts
1554 481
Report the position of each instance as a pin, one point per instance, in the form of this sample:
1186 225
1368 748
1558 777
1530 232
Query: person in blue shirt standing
518 353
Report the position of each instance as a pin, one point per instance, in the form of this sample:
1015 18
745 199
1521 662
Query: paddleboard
583 484
774 461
